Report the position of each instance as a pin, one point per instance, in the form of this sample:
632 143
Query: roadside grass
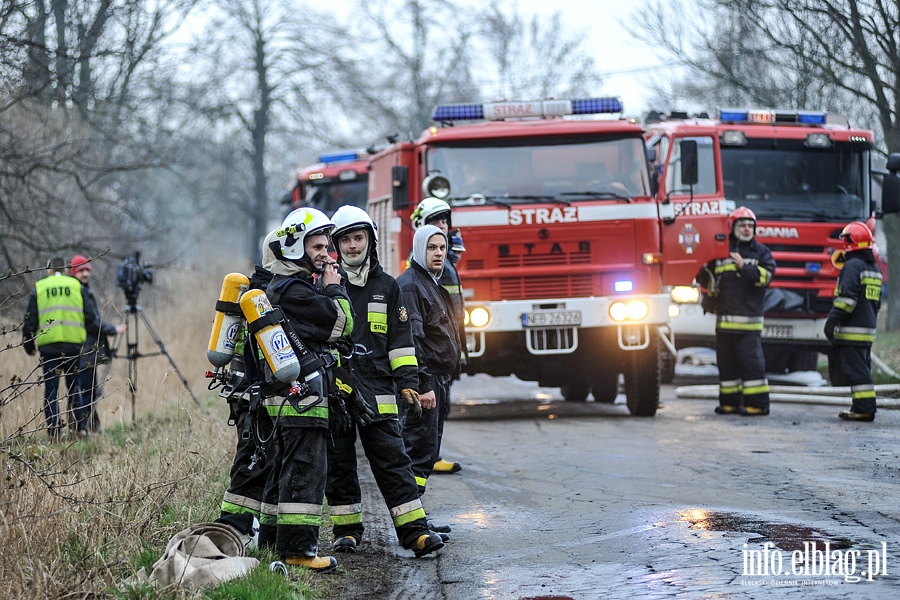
80 517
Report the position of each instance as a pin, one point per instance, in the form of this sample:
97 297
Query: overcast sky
626 64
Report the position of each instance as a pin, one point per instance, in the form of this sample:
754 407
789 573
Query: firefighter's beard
743 237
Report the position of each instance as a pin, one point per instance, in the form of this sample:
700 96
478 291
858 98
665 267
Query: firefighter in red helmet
735 289
850 326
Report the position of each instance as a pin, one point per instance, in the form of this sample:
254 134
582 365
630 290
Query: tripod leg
162 348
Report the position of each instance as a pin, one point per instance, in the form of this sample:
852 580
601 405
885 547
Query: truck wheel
575 391
605 386
642 382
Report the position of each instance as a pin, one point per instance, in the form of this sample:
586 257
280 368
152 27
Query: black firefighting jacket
434 326
738 296
857 298
385 352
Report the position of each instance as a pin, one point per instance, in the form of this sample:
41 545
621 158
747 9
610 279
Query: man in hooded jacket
436 335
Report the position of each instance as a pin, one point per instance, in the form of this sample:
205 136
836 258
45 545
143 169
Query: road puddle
786 536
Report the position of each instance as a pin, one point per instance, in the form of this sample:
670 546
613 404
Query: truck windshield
787 180
528 171
328 197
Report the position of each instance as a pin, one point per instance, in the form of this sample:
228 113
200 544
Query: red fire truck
805 175
563 270
338 178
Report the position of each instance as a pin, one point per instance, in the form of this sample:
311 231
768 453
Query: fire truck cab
338 178
805 174
562 272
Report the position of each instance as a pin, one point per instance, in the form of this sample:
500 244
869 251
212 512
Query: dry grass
79 516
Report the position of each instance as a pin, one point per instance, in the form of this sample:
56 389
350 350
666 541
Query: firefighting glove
829 329
360 410
412 399
338 417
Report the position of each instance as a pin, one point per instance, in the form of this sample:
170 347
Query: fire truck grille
560 286
543 260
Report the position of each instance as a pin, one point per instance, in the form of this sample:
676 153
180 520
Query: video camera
133 272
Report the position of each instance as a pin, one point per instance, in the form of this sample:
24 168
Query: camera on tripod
133 273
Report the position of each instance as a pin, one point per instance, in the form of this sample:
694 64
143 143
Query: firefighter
56 325
436 334
432 211
850 326
384 365
307 287
734 288
249 469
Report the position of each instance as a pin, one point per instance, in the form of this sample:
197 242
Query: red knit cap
79 263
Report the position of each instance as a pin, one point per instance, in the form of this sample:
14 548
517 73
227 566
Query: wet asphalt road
583 501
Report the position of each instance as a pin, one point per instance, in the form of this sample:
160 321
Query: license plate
781 332
554 318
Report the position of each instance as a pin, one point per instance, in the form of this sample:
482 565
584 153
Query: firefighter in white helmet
307 287
384 366
432 211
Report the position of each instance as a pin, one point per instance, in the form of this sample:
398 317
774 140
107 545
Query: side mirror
689 170
399 187
890 194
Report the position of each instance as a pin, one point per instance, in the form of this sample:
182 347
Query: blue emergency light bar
499 111
772 117
342 156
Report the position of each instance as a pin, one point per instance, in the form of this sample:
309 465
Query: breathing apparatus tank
264 322
227 323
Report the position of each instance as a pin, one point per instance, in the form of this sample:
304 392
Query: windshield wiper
478 200
537 198
593 194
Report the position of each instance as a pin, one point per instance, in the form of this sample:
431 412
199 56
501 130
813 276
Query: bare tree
533 58
841 55
257 62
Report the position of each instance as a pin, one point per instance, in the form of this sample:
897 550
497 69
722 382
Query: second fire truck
805 174
564 238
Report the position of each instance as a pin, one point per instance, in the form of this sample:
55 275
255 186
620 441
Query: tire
576 391
605 386
642 380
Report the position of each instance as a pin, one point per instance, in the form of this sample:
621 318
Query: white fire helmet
350 218
297 226
428 209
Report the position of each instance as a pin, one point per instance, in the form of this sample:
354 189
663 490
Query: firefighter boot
345 543
319 564
849 415
445 467
426 544
727 409
754 411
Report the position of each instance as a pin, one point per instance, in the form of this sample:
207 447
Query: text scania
777 232
538 216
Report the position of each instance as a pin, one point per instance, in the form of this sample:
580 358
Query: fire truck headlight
674 311
633 310
685 294
436 186
478 317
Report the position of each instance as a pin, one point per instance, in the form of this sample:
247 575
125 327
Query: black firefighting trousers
422 435
391 466
742 369
852 365
250 468
291 511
